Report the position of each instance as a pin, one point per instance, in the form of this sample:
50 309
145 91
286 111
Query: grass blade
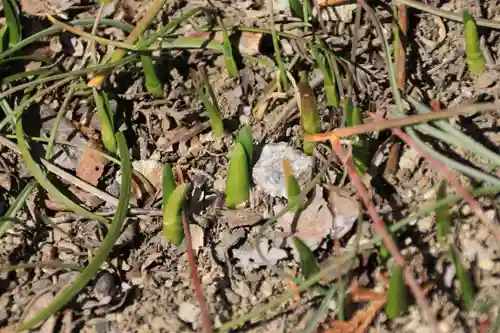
238 178
172 222
228 51
153 83
443 216
397 295
12 21
332 95
467 292
308 112
42 179
16 206
292 187
474 56
308 265
107 122
70 291
168 183
211 106
246 140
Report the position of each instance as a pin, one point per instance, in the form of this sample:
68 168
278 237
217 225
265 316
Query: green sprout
475 58
238 174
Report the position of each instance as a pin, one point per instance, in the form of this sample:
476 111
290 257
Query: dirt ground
145 285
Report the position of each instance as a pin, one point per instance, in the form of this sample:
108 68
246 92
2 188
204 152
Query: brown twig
400 56
446 173
400 122
205 317
384 234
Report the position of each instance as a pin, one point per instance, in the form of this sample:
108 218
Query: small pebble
189 313
486 264
232 297
105 285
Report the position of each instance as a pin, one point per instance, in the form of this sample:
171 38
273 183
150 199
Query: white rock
250 259
314 224
409 160
448 275
189 313
268 171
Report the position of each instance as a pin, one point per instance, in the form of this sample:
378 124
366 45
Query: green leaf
467 294
238 178
107 122
296 8
475 58
12 21
228 51
397 295
172 220
168 183
360 150
443 216
246 140
292 187
205 91
332 95
308 111
3 33
153 84
308 265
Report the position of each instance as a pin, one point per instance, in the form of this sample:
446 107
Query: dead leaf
91 165
313 225
250 259
218 36
249 42
345 209
241 218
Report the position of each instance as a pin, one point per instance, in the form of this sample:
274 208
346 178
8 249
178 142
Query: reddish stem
447 173
384 234
198 292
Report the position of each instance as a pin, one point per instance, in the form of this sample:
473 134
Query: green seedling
324 64
172 220
292 187
209 100
443 216
308 265
296 8
397 295
467 292
228 50
246 140
276 47
474 56
353 117
3 33
238 178
106 117
153 83
168 183
238 173
12 21
308 112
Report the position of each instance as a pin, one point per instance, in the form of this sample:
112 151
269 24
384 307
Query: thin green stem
70 291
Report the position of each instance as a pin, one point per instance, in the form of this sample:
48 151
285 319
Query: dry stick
205 317
401 122
401 47
384 234
446 173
